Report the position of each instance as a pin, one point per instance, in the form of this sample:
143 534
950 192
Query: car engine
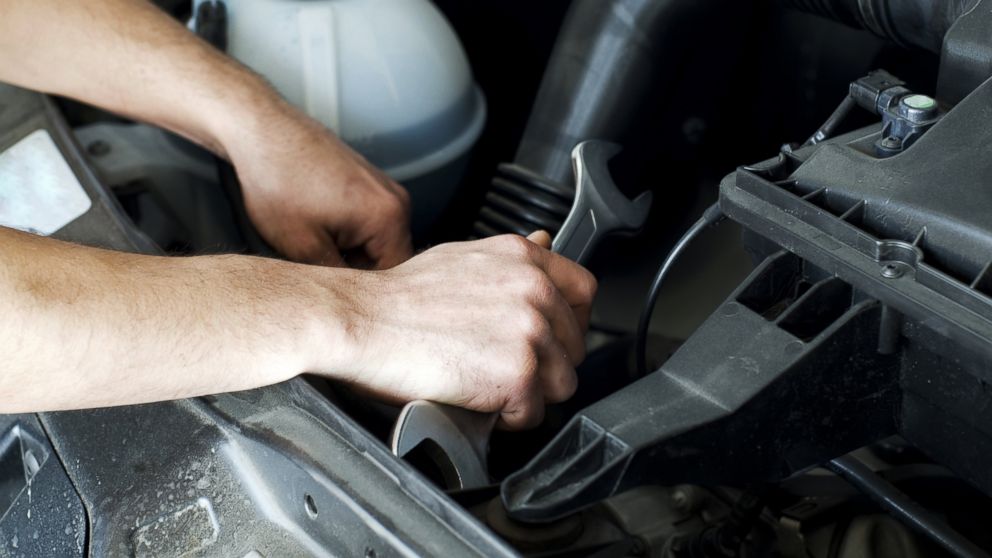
790 354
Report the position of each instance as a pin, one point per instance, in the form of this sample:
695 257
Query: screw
891 271
891 142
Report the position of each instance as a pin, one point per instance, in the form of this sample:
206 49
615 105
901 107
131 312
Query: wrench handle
578 237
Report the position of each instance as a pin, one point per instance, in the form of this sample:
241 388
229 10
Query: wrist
252 117
333 314
234 122
285 315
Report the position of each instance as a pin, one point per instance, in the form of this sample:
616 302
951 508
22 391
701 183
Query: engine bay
789 355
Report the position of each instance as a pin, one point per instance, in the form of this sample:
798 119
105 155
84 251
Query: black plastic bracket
773 382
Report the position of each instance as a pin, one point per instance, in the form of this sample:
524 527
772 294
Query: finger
391 246
583 315
565 325
396 252
314 246
575 282
399 243
557 373
581 311
358 259
527 411
541 238
384 248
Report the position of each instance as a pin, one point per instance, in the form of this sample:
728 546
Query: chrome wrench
458 439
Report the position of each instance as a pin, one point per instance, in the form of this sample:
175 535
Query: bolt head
891 142
891 271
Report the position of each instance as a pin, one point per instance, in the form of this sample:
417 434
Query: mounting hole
310 506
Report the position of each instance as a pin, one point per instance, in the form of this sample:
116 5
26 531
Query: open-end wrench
459 438
600 208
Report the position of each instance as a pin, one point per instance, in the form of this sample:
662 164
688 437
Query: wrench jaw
593 182
600 207
455 439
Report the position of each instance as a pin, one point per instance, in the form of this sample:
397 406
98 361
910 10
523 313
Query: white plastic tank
390 77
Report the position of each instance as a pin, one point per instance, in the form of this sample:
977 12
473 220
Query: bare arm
308 194
493 325
129 57
84 327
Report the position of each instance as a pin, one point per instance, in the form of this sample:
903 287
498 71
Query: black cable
830 126
903 508
711 216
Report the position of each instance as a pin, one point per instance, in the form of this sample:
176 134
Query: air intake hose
910 23
606 60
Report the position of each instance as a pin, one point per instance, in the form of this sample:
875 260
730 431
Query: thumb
541 238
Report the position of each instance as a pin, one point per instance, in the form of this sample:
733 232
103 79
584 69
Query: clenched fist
490 325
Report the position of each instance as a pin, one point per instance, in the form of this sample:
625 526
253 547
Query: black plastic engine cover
871 316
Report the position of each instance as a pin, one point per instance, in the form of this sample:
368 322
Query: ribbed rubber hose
910 23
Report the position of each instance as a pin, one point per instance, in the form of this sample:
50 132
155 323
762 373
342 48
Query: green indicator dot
919 102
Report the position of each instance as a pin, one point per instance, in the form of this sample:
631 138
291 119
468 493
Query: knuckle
357 181
533 326
515 245
521 368
537 285
544 293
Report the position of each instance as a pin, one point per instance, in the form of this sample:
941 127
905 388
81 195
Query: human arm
309 195
493 325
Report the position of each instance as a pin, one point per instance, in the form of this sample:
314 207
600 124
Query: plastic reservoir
388 76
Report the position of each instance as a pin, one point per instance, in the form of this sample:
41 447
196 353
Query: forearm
86 328
129 57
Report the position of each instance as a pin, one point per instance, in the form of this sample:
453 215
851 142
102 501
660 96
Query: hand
490 325
316 201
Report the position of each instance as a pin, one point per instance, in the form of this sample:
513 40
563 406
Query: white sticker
39 193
